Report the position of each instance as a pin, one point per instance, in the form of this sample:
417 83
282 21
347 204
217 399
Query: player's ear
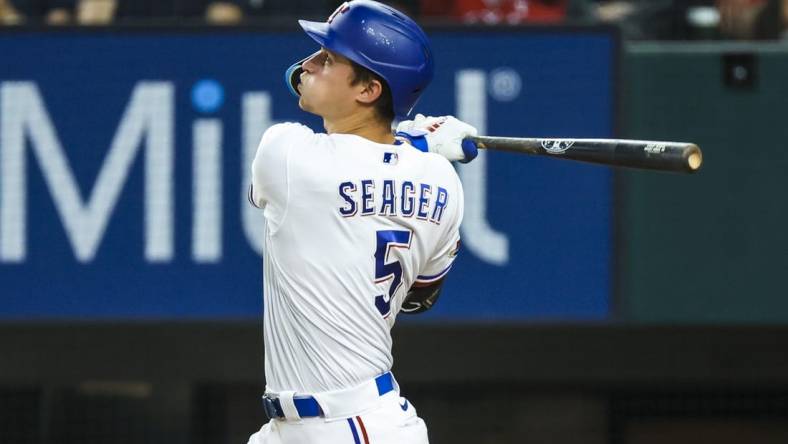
370 92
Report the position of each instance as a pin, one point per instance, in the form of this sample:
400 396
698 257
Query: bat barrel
664 156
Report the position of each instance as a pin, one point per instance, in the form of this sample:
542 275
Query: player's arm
424 292
427 286
270 169
422 296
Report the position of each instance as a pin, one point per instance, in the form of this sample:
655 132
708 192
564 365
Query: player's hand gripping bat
678 157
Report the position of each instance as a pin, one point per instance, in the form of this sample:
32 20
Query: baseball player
361 224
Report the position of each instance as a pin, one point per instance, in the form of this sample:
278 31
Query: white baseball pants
393 421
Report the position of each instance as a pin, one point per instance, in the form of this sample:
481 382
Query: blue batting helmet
381 39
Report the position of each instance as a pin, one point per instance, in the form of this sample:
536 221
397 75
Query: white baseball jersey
351 225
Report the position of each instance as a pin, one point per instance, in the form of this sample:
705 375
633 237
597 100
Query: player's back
351 226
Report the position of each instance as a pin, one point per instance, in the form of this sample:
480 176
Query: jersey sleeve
270 185
442 260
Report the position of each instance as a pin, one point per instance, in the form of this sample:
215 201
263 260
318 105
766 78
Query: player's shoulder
446 173
280 140
286 132
438 165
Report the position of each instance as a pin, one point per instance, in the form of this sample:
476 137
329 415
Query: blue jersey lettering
351 208
413 199
387 208
408 202
367 197
440 205
424 200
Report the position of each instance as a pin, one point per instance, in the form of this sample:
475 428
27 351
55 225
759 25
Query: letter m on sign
148 119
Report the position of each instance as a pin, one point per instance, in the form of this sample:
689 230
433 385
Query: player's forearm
422 297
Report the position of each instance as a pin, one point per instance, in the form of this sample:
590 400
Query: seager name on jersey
389 198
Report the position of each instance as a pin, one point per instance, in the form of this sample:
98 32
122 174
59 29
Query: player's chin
304 104
309 104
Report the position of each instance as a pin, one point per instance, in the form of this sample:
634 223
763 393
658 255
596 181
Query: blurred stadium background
590 305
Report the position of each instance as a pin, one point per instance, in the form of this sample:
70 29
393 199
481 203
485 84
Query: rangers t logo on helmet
343 8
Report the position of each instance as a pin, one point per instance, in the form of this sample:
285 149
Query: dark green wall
712 247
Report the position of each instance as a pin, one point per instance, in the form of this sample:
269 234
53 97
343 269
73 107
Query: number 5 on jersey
388 239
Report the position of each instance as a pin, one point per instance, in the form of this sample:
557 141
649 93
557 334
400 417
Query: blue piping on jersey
434 276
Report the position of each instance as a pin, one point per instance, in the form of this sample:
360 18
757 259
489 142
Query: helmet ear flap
293 77
293 74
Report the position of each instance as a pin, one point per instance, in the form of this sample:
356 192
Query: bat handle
476 140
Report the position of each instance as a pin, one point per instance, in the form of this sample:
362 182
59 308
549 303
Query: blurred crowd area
638 19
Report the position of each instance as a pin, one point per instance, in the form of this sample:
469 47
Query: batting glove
444 135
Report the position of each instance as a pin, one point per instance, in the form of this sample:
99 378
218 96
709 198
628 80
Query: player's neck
368 128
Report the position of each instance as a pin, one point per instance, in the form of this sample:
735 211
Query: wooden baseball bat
680 157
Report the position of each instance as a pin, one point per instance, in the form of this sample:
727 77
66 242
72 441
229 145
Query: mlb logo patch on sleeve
390 158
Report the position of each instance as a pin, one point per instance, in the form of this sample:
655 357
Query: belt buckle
270 407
